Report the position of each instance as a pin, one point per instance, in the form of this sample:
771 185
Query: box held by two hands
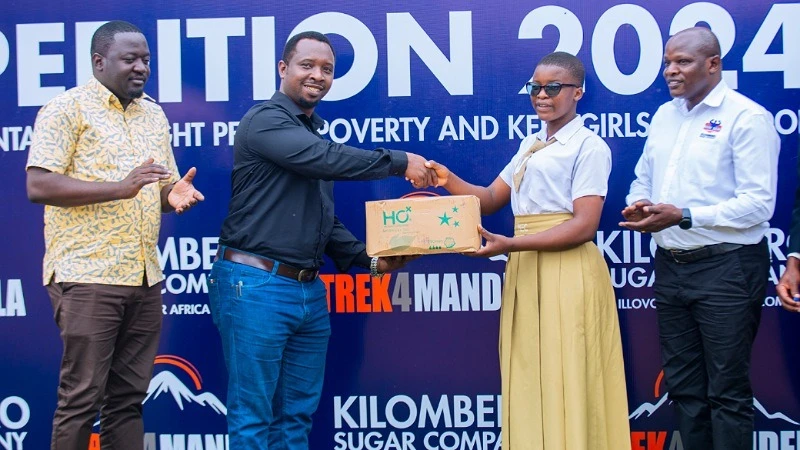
423 225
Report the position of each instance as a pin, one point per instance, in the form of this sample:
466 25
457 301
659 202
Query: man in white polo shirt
705 187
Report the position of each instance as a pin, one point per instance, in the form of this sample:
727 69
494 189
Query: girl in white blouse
563 380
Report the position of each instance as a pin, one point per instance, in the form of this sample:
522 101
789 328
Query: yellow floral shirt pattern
85 134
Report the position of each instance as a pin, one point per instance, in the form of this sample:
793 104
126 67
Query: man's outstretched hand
184 195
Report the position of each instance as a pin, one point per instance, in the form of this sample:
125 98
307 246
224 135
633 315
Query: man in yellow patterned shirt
102 163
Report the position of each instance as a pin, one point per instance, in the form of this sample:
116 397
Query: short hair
566 61
104 36
704 40
291 44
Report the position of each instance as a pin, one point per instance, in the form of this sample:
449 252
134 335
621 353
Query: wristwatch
686 219
373 268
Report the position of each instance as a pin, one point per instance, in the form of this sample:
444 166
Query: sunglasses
551 89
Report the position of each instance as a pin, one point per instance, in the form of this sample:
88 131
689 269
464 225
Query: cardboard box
423 225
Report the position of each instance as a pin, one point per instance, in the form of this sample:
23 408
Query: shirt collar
566 132
713 99
109 98
284 101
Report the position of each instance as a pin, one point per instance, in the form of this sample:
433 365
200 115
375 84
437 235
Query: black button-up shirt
282 187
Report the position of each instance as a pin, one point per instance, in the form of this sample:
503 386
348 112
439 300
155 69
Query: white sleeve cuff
703 216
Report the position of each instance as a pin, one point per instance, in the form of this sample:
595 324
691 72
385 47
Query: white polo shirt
576 165
720 160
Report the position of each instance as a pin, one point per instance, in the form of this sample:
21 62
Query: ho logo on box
404 215
396 217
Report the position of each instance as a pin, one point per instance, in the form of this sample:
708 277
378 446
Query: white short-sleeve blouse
576 165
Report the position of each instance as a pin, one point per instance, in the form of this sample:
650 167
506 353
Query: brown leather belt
260 262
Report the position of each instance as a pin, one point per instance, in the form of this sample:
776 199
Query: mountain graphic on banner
648 409
166 382
774 416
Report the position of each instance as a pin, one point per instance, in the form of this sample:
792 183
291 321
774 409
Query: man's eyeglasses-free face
551 89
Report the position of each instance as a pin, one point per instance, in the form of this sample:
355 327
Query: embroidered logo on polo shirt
711 128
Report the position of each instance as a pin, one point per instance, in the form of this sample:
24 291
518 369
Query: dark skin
557 112
691 70
645 217
306 78
572 233
55 189
123 70
788 288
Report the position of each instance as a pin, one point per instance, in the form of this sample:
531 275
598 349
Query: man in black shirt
267 301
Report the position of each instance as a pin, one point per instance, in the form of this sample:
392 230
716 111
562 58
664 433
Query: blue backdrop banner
413 360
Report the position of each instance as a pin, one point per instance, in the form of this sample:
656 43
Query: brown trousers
110 335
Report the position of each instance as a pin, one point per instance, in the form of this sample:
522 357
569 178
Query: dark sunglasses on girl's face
551 89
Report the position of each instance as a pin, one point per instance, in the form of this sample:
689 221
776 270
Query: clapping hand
141 176
184 195
646 217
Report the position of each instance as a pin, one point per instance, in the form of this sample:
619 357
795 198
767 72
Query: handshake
422 173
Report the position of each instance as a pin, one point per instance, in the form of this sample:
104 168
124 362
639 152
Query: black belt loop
696 254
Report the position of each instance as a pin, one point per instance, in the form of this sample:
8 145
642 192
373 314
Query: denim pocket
246 277
220 289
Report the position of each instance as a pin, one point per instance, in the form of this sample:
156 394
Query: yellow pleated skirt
563 378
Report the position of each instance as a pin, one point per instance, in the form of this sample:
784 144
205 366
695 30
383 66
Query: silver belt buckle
676 255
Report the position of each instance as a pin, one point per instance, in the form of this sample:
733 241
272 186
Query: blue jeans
275 334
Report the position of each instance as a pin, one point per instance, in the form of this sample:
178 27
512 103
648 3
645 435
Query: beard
135 93
307 104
